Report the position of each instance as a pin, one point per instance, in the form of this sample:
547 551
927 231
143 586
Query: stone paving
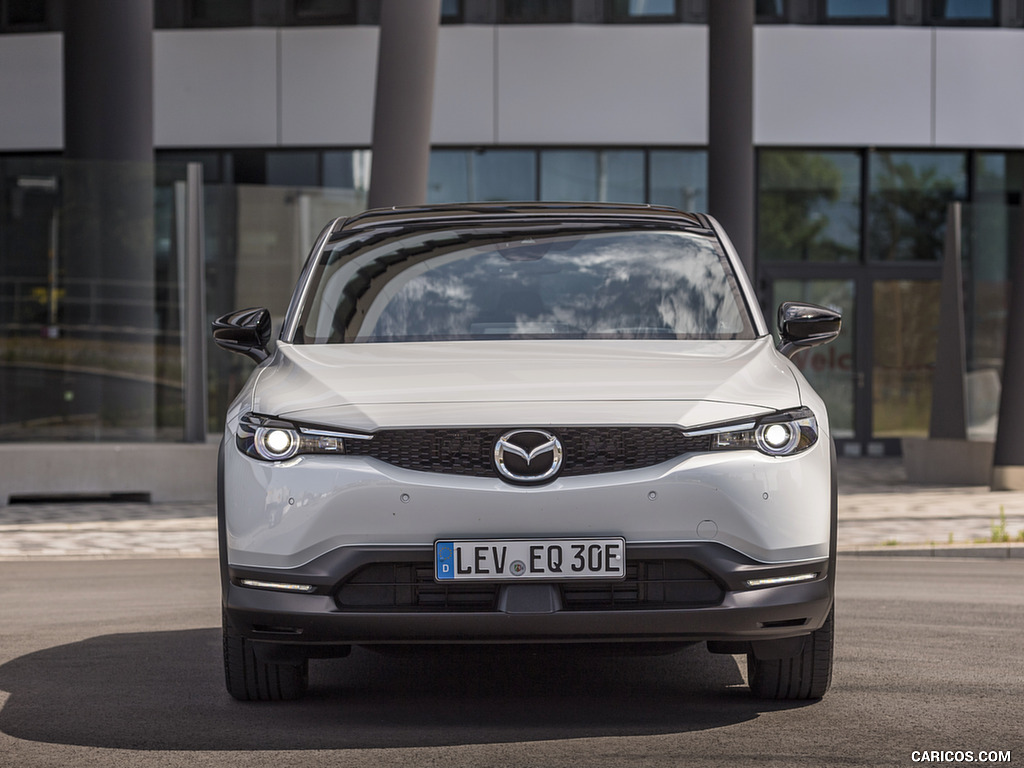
879 513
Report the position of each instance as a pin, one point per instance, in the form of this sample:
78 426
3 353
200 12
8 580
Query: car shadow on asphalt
164 691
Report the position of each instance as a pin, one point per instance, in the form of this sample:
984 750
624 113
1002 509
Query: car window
482 284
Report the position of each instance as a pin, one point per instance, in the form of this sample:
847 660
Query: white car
530 423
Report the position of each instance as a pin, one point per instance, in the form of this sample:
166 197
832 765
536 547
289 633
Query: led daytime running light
777 581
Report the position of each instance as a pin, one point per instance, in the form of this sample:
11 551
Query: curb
1010 551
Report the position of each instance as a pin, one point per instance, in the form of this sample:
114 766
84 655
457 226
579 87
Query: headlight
778 434
262 437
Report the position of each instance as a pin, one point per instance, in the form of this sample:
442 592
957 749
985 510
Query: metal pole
405 93
193 316
1008 469
731 121
949 381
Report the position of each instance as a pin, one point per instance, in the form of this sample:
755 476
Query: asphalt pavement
879 513
118 664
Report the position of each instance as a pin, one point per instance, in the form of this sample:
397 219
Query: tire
249 679
807 675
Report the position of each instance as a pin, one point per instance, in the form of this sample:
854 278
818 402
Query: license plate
511 560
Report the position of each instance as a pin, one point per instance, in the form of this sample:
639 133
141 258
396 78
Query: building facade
870 118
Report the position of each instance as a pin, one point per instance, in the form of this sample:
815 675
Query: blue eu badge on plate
444 560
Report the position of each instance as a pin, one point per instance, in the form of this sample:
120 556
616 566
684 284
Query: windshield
475 283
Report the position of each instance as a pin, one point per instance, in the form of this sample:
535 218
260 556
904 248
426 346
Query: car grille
649 585
587 450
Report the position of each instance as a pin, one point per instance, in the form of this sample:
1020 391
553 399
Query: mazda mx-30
526 423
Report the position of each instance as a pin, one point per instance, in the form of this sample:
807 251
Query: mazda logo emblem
528 456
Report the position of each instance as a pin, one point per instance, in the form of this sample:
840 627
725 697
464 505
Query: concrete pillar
731 121
405 95
108 255
1008 469
949 381
108 80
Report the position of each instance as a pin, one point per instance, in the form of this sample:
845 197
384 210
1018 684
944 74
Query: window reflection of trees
642 285
907 205
809 206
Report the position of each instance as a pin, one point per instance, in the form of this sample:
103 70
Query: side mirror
246 331
806 325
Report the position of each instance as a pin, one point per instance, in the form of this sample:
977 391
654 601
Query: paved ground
879 512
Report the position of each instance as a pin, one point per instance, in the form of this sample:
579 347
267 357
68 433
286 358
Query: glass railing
92 286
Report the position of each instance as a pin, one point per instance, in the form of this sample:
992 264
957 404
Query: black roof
527 211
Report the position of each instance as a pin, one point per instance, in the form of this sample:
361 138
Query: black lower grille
588 450
649 585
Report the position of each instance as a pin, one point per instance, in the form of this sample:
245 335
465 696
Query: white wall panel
31 92
843 86
979 87
215 87
464 92
328 77
613 84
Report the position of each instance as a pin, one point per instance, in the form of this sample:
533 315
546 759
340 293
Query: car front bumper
711 600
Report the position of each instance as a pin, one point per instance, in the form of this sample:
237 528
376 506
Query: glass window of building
679 178
449 179
347 169
219 13
482 175
907 201
293 169
592 175
323 12
451 10
972 12
906 319
768 11
858 11
536 11
643 10
809 206
23 14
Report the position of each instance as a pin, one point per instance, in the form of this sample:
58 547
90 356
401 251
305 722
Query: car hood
369 386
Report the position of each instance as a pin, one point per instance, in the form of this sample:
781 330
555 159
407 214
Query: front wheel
249 679
804 676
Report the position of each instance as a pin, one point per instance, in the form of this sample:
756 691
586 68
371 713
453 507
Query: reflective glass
347 169
808 206
536 11
769 10
90 311
298 169
906 318
627 9
503 174
908 196
466 175
549 282
964 10
592 175
858 9
448 180
679 178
